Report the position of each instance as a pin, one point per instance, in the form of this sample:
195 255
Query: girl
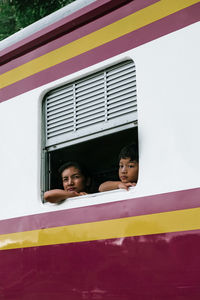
75 180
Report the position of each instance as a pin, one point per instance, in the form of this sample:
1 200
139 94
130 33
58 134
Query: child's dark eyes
128 166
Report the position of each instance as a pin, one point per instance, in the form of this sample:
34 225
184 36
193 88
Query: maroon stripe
83 16
164 266
78 33
113 210
129 41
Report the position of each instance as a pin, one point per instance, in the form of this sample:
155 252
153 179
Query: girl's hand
82 193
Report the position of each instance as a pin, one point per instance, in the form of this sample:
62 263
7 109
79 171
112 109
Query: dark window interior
99 155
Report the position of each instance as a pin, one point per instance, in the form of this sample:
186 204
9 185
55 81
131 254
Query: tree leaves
17 14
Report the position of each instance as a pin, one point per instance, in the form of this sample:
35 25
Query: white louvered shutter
93 104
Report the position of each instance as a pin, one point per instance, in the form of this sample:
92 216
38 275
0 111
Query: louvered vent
95 103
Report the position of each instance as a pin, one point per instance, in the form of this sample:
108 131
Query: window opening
90 120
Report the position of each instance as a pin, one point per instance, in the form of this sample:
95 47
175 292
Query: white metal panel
168 123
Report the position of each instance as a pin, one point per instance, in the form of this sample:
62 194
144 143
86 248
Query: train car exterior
143 243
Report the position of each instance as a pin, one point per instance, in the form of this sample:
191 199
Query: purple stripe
129 41
78 33
164 266
120 209
61 27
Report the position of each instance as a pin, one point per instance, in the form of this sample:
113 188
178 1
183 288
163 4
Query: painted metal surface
76 33
140 206
150 267
99 44
138 248
145 266
64 20
163 109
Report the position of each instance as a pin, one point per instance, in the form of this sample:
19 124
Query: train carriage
79 85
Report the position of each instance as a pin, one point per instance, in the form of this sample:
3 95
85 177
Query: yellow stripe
130 23
182 220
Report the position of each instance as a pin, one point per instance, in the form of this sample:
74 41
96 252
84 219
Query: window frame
115 126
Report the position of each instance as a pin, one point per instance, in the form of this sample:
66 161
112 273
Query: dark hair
77 165
129 151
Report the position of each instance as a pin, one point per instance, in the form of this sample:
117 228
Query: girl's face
128 170
73 180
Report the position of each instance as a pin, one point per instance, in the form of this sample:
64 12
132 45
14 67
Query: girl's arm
57 195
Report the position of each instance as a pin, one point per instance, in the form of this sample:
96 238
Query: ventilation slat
59 116
129 102
119 106
58 133
89 85
61 127
123 75
120 112
56 99
90 117
92 108
91 104
55 122
64 99
89 80
114 97
117 89
59 94
121 80
122 97
91 93
60 107
88 100
100 119
123 67
59 113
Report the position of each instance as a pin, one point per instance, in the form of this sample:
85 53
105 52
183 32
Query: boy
128 170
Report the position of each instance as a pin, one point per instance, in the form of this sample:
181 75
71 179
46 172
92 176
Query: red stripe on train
164 266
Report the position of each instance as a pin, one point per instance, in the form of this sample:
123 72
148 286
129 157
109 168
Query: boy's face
128 170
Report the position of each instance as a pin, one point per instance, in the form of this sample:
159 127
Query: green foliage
17 14
8 23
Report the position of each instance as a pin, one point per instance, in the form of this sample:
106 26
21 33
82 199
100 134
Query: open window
90 120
